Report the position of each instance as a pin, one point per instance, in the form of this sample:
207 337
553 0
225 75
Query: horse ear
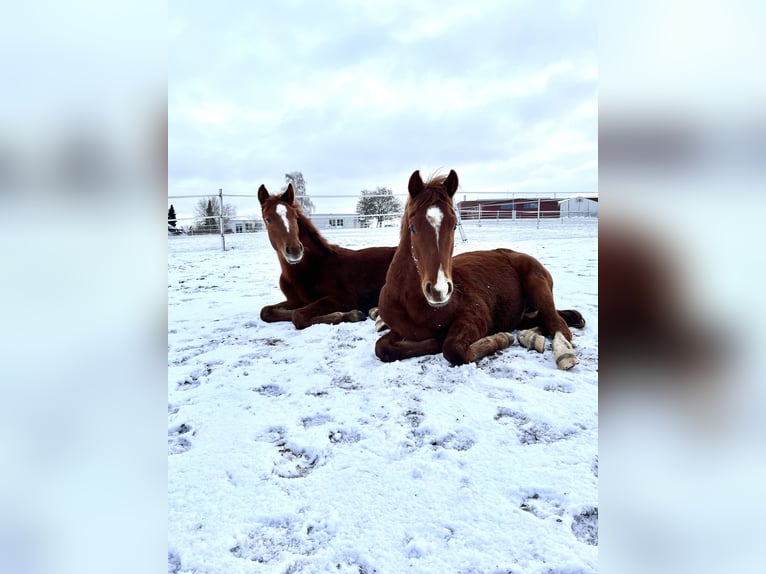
451 183
415 186
263 194
289 195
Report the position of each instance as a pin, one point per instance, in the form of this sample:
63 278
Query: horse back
489 283
365 271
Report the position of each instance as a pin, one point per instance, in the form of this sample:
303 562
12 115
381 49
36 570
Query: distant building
244 225
584 206
336 221
478 209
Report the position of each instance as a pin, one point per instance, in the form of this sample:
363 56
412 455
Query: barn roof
590 197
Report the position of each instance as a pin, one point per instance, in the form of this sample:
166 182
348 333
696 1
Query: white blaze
282 211
434 216
441 282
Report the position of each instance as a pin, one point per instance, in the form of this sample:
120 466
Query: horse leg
563 352
466 342
278 312
532 339
391 347
537 286
333 318
488 345
323 311
380 325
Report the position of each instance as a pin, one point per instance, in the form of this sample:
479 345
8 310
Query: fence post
538 213
460 222
220 219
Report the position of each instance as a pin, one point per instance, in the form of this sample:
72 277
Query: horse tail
571 317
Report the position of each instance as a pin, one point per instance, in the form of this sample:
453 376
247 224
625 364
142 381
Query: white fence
229 228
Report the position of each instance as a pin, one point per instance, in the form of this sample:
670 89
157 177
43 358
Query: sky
359 95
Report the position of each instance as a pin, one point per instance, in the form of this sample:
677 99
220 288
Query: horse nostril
449 288
428 288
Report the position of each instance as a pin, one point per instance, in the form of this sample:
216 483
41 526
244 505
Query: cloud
355 97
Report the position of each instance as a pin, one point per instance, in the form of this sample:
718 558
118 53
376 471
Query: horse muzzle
438 294
293 255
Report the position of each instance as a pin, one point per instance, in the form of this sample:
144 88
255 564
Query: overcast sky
357 95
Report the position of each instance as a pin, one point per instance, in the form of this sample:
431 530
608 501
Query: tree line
374 207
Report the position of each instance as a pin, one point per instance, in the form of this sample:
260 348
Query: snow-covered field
298 451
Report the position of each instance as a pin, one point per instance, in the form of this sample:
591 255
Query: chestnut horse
323 283
463 306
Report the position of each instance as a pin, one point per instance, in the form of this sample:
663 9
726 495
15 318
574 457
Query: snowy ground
298 451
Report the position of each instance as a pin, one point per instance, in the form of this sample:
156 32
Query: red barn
508 208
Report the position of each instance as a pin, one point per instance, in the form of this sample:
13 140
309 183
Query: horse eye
268 220
412 228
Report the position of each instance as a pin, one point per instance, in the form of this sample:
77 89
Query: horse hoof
563 352
374 313
508 339
380 326
532 340
566 361
360 316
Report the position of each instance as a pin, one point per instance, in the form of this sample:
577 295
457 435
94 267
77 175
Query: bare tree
299 186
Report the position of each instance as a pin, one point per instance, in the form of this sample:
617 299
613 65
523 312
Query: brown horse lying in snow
463 306
323 283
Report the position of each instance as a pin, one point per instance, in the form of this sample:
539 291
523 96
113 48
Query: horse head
430 219
280 214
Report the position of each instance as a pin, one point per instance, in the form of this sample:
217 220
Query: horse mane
308 227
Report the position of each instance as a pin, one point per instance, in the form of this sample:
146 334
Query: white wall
578 207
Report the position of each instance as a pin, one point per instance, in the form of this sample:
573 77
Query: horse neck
311 238
402 264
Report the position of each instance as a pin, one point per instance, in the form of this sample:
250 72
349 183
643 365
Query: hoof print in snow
269 390
542 508
414 417
559 387
187 384
273 435
460 440
177 443
341 436
315 420
530 431
268 341
346 383
174 563
355 565
194 379
277 538
453 441
585 526
295 462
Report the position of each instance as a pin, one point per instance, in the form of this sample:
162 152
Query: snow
299 451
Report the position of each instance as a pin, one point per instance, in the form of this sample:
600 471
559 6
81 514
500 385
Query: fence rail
498 210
